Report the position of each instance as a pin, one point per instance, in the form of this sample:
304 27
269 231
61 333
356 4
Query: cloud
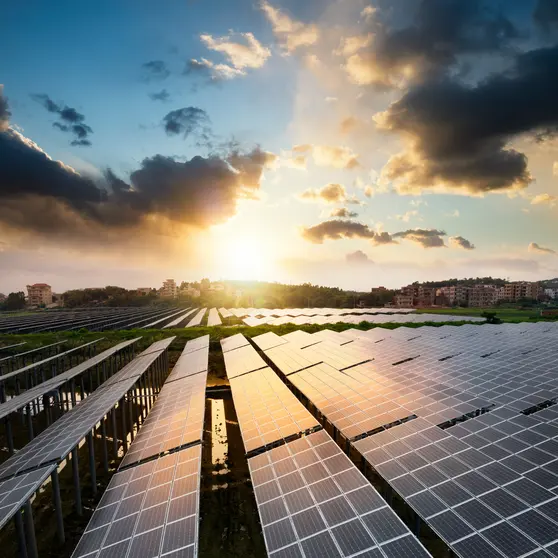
338 229
348 124
358 257
335 156
427 238
154 70
555 168
460 242
351 45
343 213
214 73
188 121
71 121
454 213
162 95
41 196
247 54
440 33
4 111
290 33
546 13
406 217
330 193
534 247
544 199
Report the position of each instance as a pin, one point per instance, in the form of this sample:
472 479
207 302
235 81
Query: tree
15 301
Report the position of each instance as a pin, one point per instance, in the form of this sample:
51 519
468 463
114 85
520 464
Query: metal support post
105 447
57 506
9 435
20 531
77 487
122 406
92 468
30 423
30 531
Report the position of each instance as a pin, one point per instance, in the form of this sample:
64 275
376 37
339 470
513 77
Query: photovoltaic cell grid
267 410
243 360
487 485
234 342
180 318
56 441
213 318
26 397
177 417
197 319
314 503
148 511
15 492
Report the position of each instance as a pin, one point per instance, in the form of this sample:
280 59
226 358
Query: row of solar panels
312 501
93 320
151 506
294 312
459 421
25 471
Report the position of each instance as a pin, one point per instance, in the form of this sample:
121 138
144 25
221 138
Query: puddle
219 442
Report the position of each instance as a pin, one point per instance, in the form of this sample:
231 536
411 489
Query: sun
245 258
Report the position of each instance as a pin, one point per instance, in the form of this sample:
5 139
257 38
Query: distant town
465 293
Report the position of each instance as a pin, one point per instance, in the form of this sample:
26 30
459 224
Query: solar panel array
56 441
93 319
312 501
299 316
19 401
148 511
197 319
15 492
180 319
213 318
176 419
151 506
460 421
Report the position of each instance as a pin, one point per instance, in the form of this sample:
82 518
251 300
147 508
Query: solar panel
197 319
213 318
150 510
55 442
20 401
313 501
234 342
268 340
180 318
176 419
242 361
15 492
267 410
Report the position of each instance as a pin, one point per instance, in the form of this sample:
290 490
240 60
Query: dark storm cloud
337 229
188 121
155 70
162 95
427 238
71 120
441 31
38 194
546 13
459 135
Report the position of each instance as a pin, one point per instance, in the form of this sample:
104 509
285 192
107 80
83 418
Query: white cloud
406 217
248 52
292 34
544 199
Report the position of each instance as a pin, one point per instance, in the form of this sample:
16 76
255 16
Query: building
519 290
378 290
403 301
169 289
482 296
144 291
39 294
550 293
457 295
216 288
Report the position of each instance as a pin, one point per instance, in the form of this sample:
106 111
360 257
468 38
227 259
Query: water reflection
219 443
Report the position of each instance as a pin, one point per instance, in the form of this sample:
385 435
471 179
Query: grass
512 315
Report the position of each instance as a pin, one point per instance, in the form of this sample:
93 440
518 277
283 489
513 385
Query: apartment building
39 294
519 290
403 301
455 295
482 295
169 289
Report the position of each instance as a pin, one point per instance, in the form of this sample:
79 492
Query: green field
505 314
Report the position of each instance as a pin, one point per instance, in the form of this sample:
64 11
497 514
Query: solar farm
408 441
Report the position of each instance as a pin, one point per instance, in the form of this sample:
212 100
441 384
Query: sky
341 142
